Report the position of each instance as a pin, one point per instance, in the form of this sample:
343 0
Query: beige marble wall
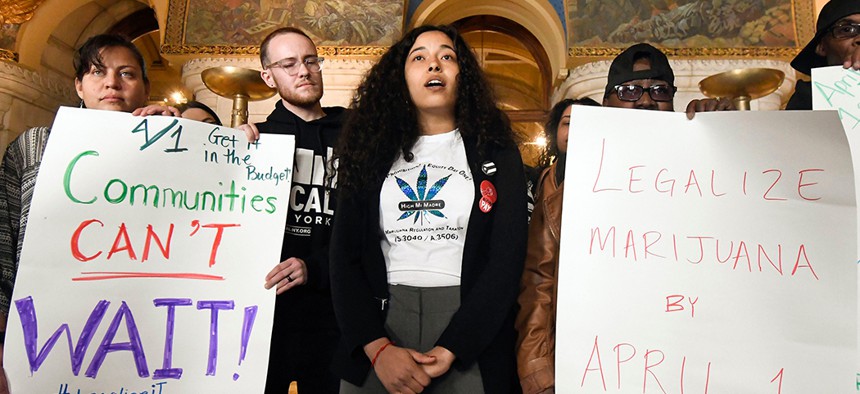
29 99
340 77
590 79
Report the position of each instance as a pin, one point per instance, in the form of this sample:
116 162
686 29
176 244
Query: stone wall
29 99
340 78
590 79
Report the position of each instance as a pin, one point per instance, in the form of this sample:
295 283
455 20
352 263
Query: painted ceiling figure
18 11
711 18
597 18
351 22
12 15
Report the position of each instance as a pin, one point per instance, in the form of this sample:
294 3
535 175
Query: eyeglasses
635 92
845 30
291 65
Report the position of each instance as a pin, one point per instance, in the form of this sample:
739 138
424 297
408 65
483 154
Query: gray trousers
416 318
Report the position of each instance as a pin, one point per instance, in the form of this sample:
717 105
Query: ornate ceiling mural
238 26
690 27
12 15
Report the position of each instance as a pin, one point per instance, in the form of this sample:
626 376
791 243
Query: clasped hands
404 370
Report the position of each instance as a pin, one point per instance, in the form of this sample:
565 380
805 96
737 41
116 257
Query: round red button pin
488 191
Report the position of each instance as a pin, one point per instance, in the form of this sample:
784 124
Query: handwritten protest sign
144 259
836 88
712 255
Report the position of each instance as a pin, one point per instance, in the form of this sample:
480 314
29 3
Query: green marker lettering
67 178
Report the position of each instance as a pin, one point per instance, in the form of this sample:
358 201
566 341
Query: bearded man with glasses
836 43
641 78
305 333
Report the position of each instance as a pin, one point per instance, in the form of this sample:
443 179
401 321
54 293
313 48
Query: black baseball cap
832 12
621 69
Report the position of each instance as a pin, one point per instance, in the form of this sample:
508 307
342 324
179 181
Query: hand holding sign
287 274
148 285
712 255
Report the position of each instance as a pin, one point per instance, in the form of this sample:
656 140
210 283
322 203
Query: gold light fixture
239 84
742 85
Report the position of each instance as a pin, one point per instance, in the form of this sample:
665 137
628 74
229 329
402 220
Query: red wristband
373 362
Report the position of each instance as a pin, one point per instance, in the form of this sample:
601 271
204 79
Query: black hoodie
311 211
802 97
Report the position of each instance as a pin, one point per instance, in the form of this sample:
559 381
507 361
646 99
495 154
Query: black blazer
482 330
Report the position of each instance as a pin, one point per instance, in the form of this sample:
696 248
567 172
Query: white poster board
836 88
715 255
144 259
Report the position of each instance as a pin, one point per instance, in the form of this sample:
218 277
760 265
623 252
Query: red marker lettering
801 253
778 266
594 351
595 233
801 185
122 236
742 251
775 181
692 180
728 255
618 360
150 236
594 189
76 239
649 244
671 182
632 179
630 245
713 174
648 370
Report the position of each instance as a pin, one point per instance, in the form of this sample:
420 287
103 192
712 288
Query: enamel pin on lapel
489 168
488 196
488 190
485 205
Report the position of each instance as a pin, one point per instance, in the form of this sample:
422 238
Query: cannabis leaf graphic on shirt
421 205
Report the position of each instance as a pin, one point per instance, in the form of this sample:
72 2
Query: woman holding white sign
109 75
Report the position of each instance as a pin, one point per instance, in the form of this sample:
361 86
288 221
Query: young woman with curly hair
429 237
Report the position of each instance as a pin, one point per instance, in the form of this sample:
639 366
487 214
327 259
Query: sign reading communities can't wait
146 250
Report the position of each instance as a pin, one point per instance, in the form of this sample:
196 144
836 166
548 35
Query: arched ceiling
509 55
522 45
58 27
537 16
62 25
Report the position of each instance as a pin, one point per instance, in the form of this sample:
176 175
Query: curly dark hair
384 120
550 129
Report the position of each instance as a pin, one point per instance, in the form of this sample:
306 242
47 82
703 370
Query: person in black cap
640 78
642 69
836 42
